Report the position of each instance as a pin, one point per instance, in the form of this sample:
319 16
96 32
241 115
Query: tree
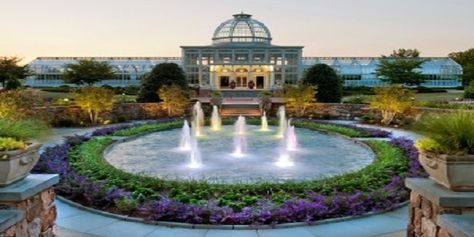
162 74
391 101
400 71
298 98
94 100
326 80
401 67
405 53
11 70
466 60
88 72
12 83
175 99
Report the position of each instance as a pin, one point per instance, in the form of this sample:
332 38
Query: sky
33 28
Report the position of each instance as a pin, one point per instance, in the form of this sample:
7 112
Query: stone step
240 111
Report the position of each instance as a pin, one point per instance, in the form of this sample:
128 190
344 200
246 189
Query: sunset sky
32 28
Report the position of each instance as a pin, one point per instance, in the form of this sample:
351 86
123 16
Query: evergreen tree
326 80
163 74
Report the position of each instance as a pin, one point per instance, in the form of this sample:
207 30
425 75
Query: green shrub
358 90
469 91
357 99
453 132
12 83
126 204
23 129
8 144
430 145
20 104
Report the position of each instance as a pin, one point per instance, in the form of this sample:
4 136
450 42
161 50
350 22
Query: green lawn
431 97
439 96
55 96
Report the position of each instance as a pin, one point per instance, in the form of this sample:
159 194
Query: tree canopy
466 60
405 53
161 75
175 99
88 72
326 80
401 67
400 71
391 100
10 69
298 98
94 100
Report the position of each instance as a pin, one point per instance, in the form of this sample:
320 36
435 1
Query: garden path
74 222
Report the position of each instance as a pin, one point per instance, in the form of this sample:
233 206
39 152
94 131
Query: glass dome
242 29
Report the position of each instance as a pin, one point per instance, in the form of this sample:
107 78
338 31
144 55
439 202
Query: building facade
242 57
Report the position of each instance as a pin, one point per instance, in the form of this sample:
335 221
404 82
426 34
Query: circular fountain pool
318 156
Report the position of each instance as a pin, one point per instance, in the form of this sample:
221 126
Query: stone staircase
231 110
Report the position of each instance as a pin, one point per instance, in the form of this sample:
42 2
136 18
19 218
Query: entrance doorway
260 82
241 81
224 81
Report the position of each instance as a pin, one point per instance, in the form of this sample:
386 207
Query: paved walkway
74 222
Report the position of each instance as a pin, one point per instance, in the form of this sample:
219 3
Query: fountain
240 141
198 119
240 125
284 160
194 154
290 139
264 122
282 117
185 144
215 119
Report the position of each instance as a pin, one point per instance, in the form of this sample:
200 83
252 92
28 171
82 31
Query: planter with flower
447 152
18 151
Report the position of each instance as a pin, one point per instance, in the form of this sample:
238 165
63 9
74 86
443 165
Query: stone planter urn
455 172
16 165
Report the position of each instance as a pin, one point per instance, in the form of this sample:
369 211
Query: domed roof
242 29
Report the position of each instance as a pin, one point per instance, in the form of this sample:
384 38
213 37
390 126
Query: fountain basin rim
123 139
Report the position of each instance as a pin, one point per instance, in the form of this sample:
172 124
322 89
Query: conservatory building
242 58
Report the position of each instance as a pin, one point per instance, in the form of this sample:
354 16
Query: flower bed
86 178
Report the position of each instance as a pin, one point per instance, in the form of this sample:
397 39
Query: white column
272 79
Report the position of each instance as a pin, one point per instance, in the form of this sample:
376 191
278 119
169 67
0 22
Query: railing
57 83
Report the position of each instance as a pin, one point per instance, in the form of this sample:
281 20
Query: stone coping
28 187
9 218
457 225
440 195
220 227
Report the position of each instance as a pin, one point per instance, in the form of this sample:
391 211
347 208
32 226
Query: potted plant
232 85
251 84
447 152
216 98
18 152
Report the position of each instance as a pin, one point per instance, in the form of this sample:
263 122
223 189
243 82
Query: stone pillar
34 198
429 201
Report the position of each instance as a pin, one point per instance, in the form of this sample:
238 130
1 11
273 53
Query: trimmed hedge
87 178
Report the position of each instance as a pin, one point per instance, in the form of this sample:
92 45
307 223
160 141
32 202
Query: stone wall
73 115
39 216
423 215
430 202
